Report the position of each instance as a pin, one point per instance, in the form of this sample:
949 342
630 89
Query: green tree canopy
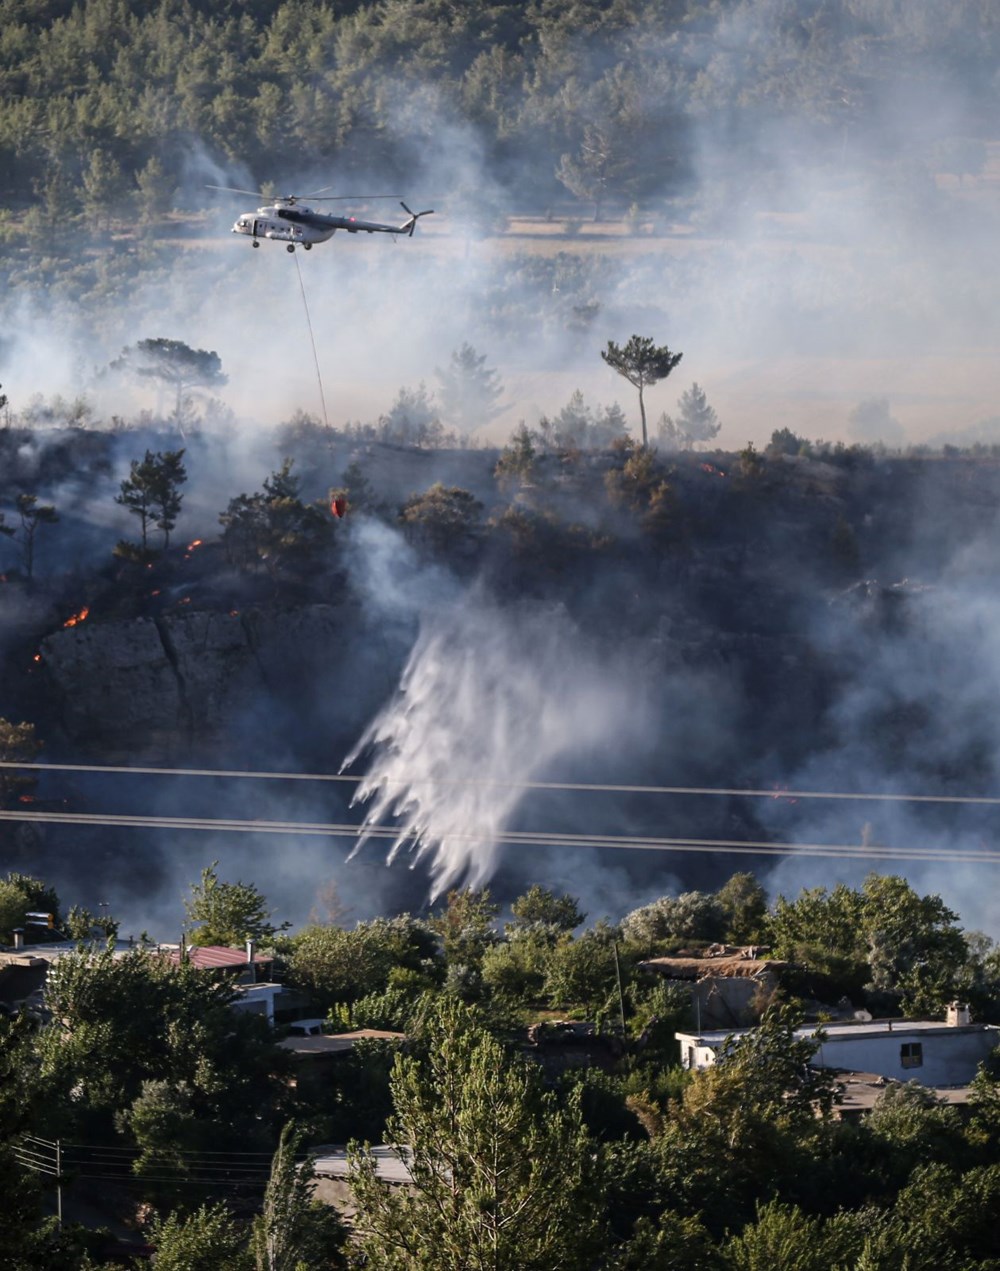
228 913
334 964
274 528
748 1124
175 365
445 518
32 514
539 906
885 938
151 492
293 1230
470 391
915 947
516 464
121 1020
744 904
207 1239
693 915
14 904
643 364
696 420
503 1176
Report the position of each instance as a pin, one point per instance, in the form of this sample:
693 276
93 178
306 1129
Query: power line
738 792
518 837
61 1160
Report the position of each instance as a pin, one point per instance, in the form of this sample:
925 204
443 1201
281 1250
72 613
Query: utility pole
59 1183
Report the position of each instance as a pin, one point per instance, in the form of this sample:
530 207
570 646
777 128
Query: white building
928 1051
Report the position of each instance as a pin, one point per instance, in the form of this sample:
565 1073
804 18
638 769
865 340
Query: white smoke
488 701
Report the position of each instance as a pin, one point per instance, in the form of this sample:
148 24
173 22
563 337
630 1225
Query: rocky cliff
180 675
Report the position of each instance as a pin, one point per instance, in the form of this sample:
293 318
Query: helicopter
287 220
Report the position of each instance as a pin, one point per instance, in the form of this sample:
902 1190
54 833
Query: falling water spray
488 701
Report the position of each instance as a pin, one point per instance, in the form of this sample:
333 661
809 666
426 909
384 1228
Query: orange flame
26 798
76 618
192 546
37 658
707 467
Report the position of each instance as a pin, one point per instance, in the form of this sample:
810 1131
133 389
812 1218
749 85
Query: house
22 982
24 970
311 1044
316 1054
932 1052
727 984
558 1044
332 1174
254 994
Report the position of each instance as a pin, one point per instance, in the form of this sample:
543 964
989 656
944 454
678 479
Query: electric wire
739 792
234 1169
518 837
312 339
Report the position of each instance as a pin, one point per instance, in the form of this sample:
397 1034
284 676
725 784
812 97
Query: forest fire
75 619
191 547
708 467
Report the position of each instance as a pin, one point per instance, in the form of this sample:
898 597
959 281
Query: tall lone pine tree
642 363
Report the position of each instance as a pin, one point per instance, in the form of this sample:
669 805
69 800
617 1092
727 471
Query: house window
911 1055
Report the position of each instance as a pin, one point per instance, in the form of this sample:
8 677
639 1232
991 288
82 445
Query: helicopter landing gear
290 247
307 247
255 243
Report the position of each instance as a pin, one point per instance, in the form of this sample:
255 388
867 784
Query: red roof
213 956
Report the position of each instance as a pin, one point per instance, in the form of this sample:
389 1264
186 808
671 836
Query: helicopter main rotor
290 200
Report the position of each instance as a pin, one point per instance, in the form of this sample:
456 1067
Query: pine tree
175 365
642 364
293 1230
151 492
470 391
502 1174
32 515
697 421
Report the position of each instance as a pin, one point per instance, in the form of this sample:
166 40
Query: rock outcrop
180 675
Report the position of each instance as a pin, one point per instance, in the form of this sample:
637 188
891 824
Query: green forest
171 1105
105 104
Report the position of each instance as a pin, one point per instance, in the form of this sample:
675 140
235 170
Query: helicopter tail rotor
411 224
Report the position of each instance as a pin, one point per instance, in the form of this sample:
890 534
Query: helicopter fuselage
292 223
276 223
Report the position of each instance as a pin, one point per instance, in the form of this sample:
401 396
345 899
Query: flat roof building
928 1051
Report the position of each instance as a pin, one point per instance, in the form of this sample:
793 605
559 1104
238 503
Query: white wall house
928 1051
